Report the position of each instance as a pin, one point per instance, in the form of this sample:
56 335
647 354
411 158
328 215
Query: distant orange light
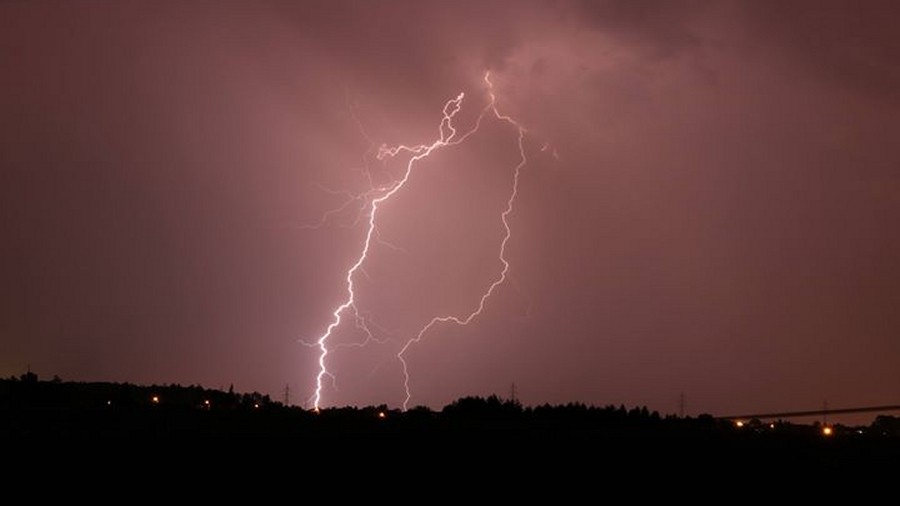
381 414
771 425
155 399
206 402
256 406
739 424
827 431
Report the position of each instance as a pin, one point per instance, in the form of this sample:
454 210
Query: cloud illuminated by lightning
376 196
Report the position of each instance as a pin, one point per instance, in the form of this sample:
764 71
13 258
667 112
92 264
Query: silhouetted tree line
27 391
33 410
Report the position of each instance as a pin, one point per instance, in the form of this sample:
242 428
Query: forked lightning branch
448 137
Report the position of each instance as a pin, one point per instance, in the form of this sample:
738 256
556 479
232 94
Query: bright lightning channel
447 137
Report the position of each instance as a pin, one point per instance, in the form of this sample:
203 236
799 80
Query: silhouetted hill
499 432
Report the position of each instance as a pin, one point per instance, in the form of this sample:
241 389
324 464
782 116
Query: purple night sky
721 219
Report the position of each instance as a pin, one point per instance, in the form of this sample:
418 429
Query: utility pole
287 395
513 394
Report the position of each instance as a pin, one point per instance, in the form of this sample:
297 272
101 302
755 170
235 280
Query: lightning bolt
504 217
376 196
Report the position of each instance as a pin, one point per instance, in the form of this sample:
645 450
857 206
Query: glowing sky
721 219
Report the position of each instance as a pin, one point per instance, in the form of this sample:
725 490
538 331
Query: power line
824 412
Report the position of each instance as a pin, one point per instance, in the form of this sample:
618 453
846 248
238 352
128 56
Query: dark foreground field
482 433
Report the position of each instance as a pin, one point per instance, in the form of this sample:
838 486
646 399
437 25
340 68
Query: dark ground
472 439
